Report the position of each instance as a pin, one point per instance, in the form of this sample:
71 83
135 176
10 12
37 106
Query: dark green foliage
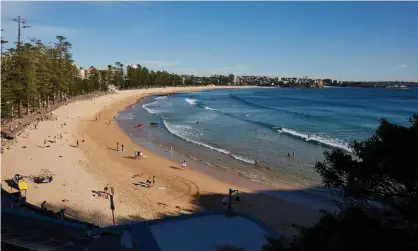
382 170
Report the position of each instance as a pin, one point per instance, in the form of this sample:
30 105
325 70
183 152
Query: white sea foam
209 108
185 132
151 108
318 139
161 97
237 157
191 101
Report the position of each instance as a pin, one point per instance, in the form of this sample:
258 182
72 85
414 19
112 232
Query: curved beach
79 172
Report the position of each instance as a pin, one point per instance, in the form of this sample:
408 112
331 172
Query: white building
111 88
233 79
82 73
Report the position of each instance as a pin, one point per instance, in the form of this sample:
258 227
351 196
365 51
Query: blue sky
340 40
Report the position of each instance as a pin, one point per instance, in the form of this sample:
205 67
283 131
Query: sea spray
190 101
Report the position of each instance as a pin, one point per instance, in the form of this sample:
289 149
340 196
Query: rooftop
200 231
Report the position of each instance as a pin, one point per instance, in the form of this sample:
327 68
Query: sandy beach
80 172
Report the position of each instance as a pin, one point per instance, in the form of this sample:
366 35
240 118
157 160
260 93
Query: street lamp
8 102
230 198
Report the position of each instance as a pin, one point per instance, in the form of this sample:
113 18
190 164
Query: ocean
231 129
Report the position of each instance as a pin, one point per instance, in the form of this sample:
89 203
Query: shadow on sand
279 209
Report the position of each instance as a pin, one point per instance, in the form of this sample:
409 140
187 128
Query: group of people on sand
119 149
150 182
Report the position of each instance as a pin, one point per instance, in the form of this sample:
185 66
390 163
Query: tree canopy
378 185
35 75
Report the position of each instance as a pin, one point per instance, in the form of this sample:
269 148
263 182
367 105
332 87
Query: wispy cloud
235 69
401 66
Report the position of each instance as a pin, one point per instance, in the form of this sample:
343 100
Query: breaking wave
184 132
210 109
191 101
335 143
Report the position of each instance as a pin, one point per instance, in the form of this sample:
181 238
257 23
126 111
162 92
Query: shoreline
229 175
95 164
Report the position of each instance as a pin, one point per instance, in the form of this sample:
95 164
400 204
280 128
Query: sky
339 40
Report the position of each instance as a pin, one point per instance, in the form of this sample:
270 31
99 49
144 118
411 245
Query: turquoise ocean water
231 129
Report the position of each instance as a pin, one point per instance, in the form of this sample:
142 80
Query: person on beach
183 164
149 181
153 180
122 148
256 162
44 142
288 154
117 146
293 153
77 143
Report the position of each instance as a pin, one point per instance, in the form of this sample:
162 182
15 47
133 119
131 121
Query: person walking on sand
122 148
183 164
44 142
117 146
77 143
149 181
153 180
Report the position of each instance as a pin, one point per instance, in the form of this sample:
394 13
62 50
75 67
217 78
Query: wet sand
78 171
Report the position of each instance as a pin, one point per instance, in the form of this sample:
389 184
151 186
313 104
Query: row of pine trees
35 75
